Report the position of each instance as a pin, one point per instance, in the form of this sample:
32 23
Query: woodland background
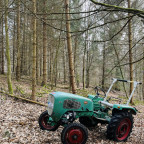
67 45
77 43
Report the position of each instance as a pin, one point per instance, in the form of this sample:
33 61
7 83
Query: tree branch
137 12
24 99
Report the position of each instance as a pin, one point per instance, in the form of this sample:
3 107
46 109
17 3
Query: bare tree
130 50
69 46
14 43
34 54
18 41
44 46
8 50
2 53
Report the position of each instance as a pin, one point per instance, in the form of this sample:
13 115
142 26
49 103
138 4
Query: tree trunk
38 57
75 60
64 64
143 78
18 41
8 50
69 46
44 47
14 45
118 59
2 72
130 51
23 44
41 62
37 62
55 66
29 53
33 97
26 49
103 67
50 66
75 52
87 70
83 75
23 67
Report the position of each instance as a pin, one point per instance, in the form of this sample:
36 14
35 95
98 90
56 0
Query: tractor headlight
50 104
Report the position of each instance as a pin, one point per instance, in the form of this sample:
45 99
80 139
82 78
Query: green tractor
65 108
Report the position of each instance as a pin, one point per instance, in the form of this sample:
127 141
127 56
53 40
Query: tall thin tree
2 53
143 77
33 97
18 41
130 50
69 46
104 64
83 71
8 50
44 46
14 44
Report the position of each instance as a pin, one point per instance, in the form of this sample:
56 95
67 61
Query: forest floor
19 119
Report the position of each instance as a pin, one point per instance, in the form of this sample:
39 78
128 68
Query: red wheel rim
123 129
45 124
75 136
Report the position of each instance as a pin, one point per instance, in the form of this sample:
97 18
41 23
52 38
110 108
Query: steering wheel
100 92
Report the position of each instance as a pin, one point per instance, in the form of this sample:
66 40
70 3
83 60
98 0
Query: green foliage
20 89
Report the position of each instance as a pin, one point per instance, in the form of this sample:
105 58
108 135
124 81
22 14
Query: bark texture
18 41
69 46
44 48
8 51
130 51
2 54
33 97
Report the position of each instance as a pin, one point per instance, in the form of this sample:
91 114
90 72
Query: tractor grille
71 104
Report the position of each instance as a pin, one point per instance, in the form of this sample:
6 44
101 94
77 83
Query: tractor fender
119 107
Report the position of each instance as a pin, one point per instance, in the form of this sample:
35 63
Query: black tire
74 133
43 122
88 122
120 126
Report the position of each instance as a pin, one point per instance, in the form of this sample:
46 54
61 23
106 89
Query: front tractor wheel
120 126
74 133
46 122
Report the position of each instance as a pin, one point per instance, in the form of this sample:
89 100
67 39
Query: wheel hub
75 136
123 129
46 123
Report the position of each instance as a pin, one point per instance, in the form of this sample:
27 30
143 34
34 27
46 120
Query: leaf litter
19 121
19 125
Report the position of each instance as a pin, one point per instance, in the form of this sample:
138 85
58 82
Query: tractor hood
67 95
65 102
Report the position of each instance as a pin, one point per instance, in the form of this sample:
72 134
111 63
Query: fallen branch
24 99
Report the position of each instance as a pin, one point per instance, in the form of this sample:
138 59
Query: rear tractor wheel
120 126
74 133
